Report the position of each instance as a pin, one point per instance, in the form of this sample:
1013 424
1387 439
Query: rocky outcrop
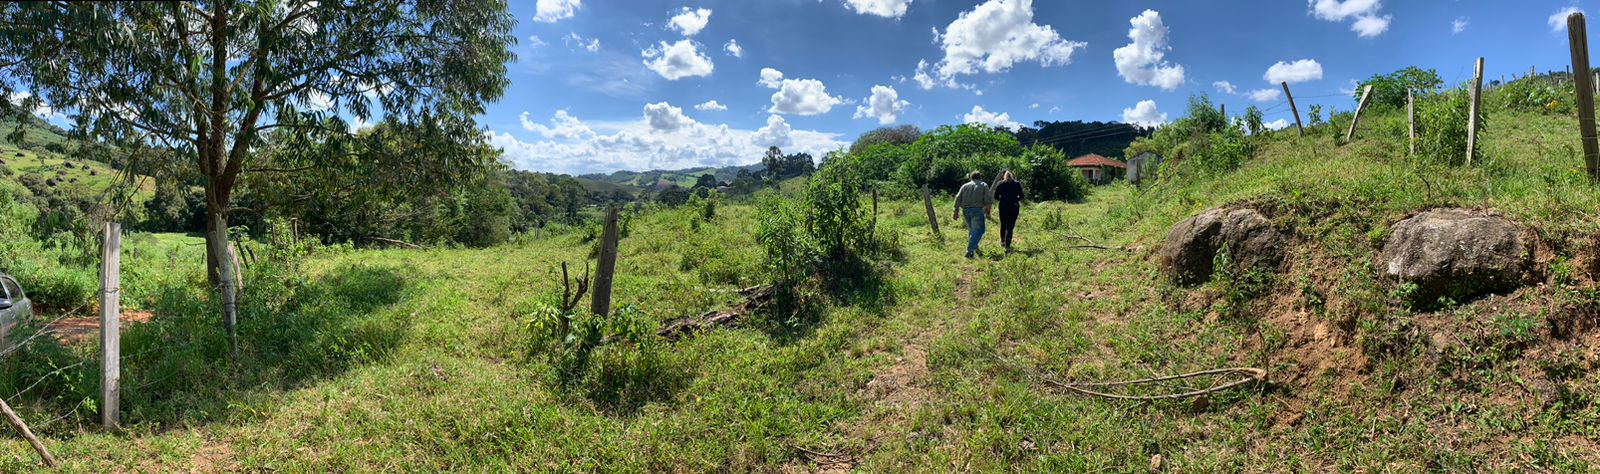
1458 254
1192 245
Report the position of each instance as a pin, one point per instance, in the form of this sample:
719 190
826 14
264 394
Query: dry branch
1252 375
16 421
755 297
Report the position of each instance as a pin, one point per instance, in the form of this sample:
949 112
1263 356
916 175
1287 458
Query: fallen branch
1088 244
825 459
16 421
401 243
755 297
1251 375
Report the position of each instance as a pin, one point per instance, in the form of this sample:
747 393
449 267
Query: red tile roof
1093 160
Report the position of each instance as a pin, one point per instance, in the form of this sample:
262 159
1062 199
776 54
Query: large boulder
1192 245
1457 254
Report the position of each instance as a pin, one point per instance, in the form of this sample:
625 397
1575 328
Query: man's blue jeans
974 219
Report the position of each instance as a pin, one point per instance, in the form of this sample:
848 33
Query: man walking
972 205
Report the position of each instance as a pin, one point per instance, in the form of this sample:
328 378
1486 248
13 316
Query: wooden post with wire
1411 120
110 330
1578 37
1472 116
927 202
1366 93
600 298
1293 109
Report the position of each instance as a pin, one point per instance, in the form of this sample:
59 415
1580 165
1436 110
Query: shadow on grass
179 368
856 283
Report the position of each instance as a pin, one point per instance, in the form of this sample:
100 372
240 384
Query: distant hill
660 178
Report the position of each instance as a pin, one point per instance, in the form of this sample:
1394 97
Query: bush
1046 175
57 287
1442 126
791 254
1389 90
1532 96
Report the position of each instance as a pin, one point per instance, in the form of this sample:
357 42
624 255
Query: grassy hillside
364 360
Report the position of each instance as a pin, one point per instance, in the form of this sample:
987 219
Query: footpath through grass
400 360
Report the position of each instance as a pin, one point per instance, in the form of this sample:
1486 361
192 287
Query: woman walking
1008 192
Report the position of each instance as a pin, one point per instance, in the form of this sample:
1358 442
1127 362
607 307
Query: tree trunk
220 270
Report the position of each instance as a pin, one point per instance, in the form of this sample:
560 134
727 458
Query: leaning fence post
927 202
16 422
1356 118
1292 108
600 299
1411 120
1472 117
110 332
1578 37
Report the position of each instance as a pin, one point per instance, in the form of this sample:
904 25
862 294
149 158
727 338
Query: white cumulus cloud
734 49
664 117
1264 95
997 34
1337 10
1558 20
797 96
978 115
1368 20
883 8
711 105
1143 62
885 105
1371 26
1303 70
678 60
775 133
1144 114
770 78
562 126
1459 25
1225 87
590 44
536 43
1278 124
690 21
551 11
638 145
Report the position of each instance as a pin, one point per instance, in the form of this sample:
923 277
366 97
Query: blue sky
605 85
614 84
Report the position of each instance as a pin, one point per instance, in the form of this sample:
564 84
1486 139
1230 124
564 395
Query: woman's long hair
1004 176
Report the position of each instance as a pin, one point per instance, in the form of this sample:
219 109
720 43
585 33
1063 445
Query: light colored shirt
974 194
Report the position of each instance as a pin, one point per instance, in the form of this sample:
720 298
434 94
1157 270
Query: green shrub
57 287
1389 90
1532 96
1442 126
790 252
1046 175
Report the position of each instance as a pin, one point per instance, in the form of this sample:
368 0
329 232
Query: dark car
14 308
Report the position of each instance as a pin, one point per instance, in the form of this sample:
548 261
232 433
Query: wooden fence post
1578 37
1292 108
600 299
1356 118
1223 108
927 202
110 332
873 234
1472 116
1411 120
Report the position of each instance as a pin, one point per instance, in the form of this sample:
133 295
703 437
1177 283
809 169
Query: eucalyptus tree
208 79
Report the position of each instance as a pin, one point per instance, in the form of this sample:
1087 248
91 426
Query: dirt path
78 330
